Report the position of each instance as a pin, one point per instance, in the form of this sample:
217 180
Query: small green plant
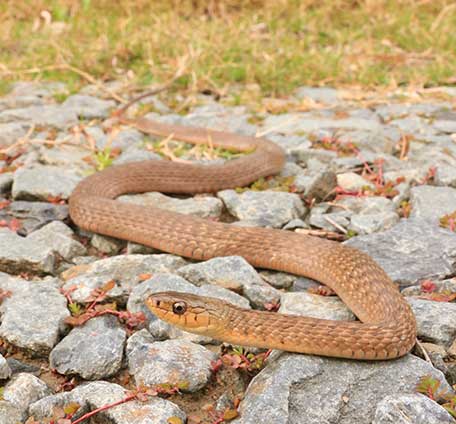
430 387
103 159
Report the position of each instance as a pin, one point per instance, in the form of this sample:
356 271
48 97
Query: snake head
196 314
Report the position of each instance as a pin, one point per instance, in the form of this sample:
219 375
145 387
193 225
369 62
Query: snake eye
179 308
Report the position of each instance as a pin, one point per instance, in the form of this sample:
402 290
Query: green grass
258 47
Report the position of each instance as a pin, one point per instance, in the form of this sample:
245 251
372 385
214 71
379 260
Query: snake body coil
387 328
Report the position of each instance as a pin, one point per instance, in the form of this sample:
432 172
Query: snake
386 326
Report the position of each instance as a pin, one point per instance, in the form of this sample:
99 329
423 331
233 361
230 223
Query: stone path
380 175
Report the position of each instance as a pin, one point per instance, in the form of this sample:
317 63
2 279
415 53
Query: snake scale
387 327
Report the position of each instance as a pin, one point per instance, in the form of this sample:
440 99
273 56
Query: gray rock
367 205
445 126
127 138
57 237
135 154
293 388
23 389
325 221
267 208
105 244
88 107
367 224
312 305
63 155
445 175
18 254
34 215
6 181
413 408
10 413
288 123
33 317
321 185
175 362
43 89
95 395
350 181
43 181
203 207
43 116
412 250
231 272
11 132
436 321
126 270
319 94
5 370
93 351
432 202
278 280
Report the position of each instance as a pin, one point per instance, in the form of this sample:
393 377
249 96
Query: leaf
230 414
71 408
175 420
108 286
75 309
144 277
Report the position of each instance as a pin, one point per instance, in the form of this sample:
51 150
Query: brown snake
387 328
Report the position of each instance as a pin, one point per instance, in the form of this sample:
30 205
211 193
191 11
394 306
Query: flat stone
413 408
34 215
436 321
127 138
43 116
325 95
43 181
126 270
175 362
431 202
88 107
228 270
33 316
9 413
315 306
293 388
92 351
267 208
11 132
367 205
367 224
321 185
203 207
97 394
5 370
135 154
445 175
325 221
350 181
108 245
24 389
411 251
445 126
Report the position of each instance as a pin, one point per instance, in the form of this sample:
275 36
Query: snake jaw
185 311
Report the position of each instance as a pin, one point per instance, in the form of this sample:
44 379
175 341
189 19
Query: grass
245 48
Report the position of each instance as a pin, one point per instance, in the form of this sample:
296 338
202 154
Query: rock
293 389
34 215
18 367
440 286
128 271
445 126
176 362
367 224
430 202
413 250
17 255
57 237
42 116
33 316
135 154
95 395
6 181
105 244
93 351
325 95
413 408
350 181
9 413
203 207
88 107
367 205
23 389
127 138
278 280
445 175
321 185
436 321
62 156
231 270
326 221
266 208
312 305
11 132
43 182
5 370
